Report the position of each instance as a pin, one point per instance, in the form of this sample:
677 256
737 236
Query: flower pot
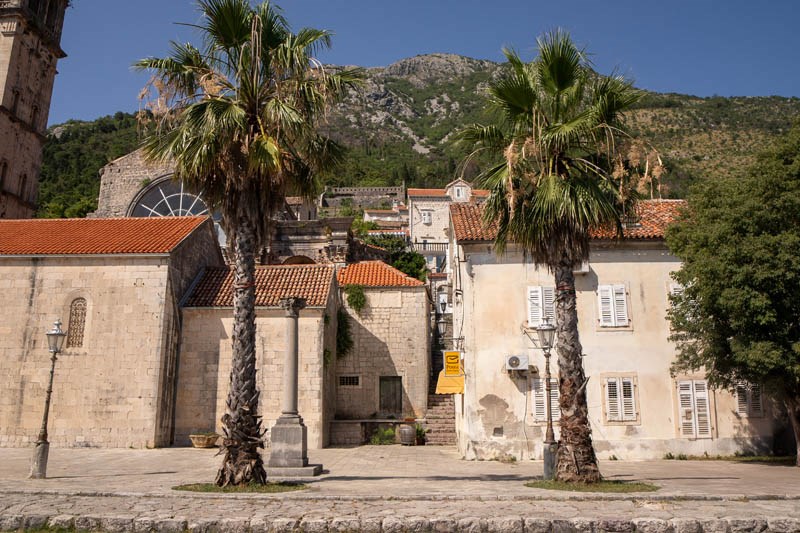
204 440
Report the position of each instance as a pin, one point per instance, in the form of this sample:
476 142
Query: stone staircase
441 420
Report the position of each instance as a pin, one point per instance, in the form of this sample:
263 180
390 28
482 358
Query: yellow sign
452 364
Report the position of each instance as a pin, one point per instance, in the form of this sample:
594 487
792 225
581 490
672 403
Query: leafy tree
552 180
239 118
400 256
738 316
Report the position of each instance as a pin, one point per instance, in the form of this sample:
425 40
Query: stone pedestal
289 436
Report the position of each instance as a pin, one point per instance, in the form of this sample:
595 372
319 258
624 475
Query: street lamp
546 332
55 340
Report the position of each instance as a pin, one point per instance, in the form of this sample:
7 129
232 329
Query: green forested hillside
73 155
399 127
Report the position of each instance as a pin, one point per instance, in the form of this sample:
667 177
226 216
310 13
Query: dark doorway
391 389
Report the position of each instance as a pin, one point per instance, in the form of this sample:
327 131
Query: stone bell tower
30 47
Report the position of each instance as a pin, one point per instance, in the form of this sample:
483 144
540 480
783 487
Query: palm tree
553 178
238 118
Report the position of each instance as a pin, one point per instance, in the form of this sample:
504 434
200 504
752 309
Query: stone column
289 438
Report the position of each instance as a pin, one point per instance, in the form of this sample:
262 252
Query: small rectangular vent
349 381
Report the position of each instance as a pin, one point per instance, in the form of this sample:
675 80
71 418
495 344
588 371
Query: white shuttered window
541 303
539 393
620 399
613 306
694 410
748 400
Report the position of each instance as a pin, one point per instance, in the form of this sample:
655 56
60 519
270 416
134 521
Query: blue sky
700 47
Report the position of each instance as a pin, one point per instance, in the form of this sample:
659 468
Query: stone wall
122 180
390 338
27 73
105 392
205 363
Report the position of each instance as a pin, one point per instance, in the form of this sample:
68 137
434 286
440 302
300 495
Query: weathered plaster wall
205 364
105 393
390 338
497 412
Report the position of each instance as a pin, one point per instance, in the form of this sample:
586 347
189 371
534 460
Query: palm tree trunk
242 424
576 459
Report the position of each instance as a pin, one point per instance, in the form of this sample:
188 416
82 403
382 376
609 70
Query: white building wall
495 415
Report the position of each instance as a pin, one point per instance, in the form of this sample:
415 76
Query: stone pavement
388 489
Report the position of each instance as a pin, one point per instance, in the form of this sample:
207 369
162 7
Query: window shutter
555 408
539 393
537 390
612 399
756 406
620 306
686 408
702 409
741 399
549 303
535 301
605 298
675 289
628 400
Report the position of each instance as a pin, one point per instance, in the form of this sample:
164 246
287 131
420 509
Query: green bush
383 436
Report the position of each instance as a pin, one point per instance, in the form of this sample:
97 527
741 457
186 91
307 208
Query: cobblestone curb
507 524
311 496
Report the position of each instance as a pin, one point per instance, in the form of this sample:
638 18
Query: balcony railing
421 247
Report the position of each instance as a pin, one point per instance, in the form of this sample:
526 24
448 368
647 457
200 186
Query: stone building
117 285
30 47
384 376
637 409
429 218
205 357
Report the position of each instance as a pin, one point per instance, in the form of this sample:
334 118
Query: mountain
399 128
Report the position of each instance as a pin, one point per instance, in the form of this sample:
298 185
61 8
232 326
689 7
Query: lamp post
546 332
55 340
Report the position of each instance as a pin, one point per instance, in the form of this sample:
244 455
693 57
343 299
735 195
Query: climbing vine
356 298
344 338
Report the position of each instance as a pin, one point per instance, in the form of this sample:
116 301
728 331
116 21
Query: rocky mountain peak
431 67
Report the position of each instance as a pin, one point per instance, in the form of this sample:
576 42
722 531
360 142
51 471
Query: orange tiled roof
312 282
468 223
653 218
483 193
427 192
375 274
89 236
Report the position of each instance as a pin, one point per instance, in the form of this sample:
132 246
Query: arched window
23 184
35 118
15 102
77 323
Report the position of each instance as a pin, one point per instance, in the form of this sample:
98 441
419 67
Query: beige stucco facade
115 389
497 413
29 51
390 339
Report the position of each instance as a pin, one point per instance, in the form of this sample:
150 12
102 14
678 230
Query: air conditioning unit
517 362
583 269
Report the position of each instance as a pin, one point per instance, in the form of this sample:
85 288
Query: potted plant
204 440
421 431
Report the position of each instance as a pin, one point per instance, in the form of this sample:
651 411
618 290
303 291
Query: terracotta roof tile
483 193
468 223
86 236
651 221
427 192
375 274
653 217
312 282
